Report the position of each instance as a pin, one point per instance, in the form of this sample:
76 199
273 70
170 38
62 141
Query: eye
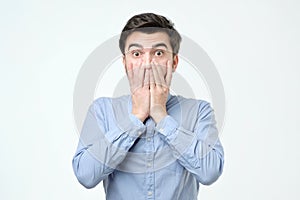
136 53
159 53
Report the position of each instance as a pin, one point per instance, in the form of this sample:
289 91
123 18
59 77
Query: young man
150 144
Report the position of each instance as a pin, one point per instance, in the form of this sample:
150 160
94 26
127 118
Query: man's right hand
139 80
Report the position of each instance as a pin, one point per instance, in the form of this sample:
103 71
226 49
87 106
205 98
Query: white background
255 46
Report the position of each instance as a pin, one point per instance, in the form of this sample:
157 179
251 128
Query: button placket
149 160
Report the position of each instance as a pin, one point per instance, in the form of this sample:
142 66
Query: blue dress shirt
136 160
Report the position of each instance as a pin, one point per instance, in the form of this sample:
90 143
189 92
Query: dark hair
150 23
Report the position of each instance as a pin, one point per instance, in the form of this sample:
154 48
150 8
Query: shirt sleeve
199 151
103 146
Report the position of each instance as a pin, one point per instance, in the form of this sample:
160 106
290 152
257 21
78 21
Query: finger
130 66
155 74
152 82
169 73
141 74
147 78
138 75
161 70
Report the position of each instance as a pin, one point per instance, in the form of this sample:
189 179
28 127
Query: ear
175 63
124 63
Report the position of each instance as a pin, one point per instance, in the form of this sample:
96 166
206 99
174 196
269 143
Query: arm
200 151
102 149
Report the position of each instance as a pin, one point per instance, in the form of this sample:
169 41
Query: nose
147 59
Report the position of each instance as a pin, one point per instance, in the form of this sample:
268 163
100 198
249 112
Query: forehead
148 40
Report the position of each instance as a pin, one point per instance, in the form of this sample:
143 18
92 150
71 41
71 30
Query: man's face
144 49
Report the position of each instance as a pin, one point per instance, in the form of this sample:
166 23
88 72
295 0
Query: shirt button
149 164
148 139
149 193
161 130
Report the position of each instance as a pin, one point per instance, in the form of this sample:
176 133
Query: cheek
163 59
163 63
133 62
163 67
136 62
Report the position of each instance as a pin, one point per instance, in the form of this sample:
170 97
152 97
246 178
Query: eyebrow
153 46
135 45
160 44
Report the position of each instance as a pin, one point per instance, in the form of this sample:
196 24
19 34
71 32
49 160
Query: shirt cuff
130 128
167 126
177 137
136 121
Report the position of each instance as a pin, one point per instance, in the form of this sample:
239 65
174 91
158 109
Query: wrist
140 116
157 117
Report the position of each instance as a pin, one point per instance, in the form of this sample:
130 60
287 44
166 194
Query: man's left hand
160 80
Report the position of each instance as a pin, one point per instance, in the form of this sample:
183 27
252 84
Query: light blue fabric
135 160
